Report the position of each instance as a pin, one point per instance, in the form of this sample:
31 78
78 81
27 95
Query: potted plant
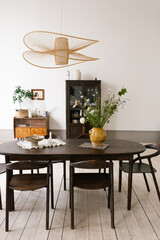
18 96
97 116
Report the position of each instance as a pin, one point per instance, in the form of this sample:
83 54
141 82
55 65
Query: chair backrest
26 165
83 136
155 146
2 168
53 136
92 164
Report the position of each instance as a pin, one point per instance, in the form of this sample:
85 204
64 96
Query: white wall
129 52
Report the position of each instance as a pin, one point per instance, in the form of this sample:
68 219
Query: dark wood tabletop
118 149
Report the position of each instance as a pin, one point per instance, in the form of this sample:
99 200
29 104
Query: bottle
50 139
29 113
68 75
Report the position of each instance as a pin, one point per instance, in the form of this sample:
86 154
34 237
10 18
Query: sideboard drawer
38 131
21 132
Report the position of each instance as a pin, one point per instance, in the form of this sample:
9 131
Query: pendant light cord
61 16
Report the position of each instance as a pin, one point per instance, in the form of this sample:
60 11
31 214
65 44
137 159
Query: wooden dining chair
83 136
92 181
140 167
86 136
26 182
2 170
64 162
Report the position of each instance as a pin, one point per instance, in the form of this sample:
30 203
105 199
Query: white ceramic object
41 144
50 139
77 75
34 139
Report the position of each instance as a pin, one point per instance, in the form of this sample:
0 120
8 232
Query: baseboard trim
139 136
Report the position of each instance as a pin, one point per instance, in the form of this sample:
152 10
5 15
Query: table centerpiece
97 115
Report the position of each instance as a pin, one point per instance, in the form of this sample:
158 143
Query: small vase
97 136
77 75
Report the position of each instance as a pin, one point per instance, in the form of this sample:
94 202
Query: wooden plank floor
92 217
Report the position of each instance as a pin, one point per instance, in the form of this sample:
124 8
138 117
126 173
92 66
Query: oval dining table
117 150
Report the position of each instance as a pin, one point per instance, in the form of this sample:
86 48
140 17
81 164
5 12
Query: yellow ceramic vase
97 136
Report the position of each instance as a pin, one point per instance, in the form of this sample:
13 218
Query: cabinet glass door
75 95
75 103
90 92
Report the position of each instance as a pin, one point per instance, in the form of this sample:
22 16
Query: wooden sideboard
29 126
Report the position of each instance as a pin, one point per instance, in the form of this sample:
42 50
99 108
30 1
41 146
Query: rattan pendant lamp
55 50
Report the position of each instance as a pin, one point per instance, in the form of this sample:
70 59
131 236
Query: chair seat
25 182
2 168
137 168
91 180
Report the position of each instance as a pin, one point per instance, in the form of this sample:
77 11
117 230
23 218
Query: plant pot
97 136
21 113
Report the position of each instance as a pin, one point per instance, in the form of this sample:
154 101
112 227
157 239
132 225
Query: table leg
130 182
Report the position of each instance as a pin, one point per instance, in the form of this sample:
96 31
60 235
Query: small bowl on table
34 139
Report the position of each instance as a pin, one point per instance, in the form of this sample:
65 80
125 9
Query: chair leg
8 202
11 193
12 200
112 209
64 175
112 204
120 177
104 170
52 186
0 200
145 177
70 187
146 182
154 178
47 203
72 196
72 208
130 178
7 209
109 197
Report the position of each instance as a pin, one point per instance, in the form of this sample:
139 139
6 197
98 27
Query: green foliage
20 94
96 115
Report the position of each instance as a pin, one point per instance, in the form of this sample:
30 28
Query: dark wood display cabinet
24 127
74 90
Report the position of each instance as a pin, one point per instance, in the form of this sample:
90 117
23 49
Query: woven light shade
55 50
61 47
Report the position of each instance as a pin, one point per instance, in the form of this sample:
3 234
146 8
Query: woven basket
21 113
